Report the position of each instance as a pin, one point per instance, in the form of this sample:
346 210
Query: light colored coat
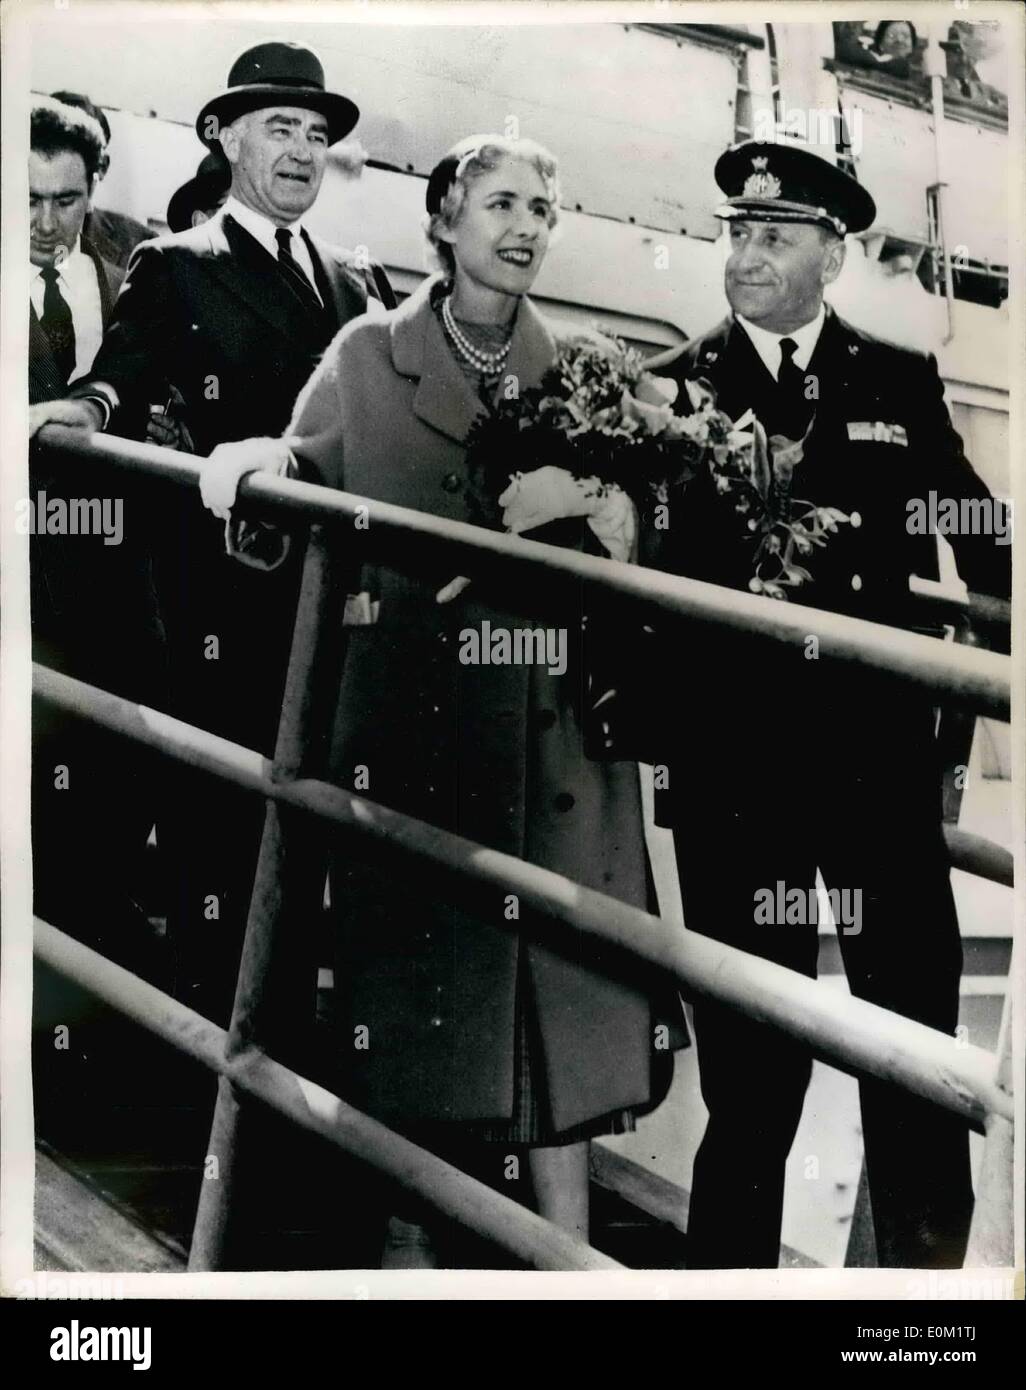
492 752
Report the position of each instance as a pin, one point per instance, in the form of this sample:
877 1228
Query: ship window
892 48
976 68
887 59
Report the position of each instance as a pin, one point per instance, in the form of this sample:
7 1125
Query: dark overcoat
208 312
492 752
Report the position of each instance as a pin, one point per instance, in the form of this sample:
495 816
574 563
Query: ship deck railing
846 1032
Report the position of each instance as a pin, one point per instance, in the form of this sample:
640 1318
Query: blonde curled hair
456 171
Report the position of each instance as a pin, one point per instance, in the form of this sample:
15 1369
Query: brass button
452 482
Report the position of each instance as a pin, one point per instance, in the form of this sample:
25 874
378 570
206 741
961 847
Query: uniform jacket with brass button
491 752
881 437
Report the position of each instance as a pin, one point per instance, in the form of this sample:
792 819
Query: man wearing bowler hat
786 765
229 318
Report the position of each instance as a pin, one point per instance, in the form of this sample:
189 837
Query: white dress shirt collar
74 265
263 230
767 344
260 228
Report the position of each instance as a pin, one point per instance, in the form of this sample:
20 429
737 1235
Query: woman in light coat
472 1030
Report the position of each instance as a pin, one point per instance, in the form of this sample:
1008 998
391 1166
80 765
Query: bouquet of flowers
755 473
601 437
603 440
597 414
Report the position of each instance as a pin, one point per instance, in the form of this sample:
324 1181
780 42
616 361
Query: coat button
856 582
436 1022
546 719
564 801
452 482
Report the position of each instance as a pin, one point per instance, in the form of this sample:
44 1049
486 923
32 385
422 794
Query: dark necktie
292 270
795 410
57 323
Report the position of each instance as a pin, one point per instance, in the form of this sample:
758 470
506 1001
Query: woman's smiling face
502 232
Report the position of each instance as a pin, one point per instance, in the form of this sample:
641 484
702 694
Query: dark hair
84 104
57 128
881 30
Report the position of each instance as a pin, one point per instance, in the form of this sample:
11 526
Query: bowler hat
203 192
767 182
276 74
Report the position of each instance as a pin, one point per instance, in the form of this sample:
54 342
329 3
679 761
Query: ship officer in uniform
781 764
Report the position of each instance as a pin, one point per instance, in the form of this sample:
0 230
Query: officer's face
277 156
776 272
59 192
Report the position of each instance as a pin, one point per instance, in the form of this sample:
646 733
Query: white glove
546 494
229 464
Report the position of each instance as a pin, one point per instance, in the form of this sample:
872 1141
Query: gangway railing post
860 1252
991 1233
318 623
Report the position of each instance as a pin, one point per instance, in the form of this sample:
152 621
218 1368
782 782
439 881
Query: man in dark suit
787 765
94 611
232 316
72 288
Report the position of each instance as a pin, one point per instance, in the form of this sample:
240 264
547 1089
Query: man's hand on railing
79 415
166 427
229 464
169 433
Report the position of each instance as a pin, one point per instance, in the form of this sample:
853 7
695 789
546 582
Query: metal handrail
912 1056
457 1195
968 676
847 1032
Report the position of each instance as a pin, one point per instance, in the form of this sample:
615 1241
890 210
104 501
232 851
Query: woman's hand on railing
77 415
229 464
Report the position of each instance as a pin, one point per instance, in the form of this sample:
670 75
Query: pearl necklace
487 363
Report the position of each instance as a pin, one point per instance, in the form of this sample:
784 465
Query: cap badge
761 184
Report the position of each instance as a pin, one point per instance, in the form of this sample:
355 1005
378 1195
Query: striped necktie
292 270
